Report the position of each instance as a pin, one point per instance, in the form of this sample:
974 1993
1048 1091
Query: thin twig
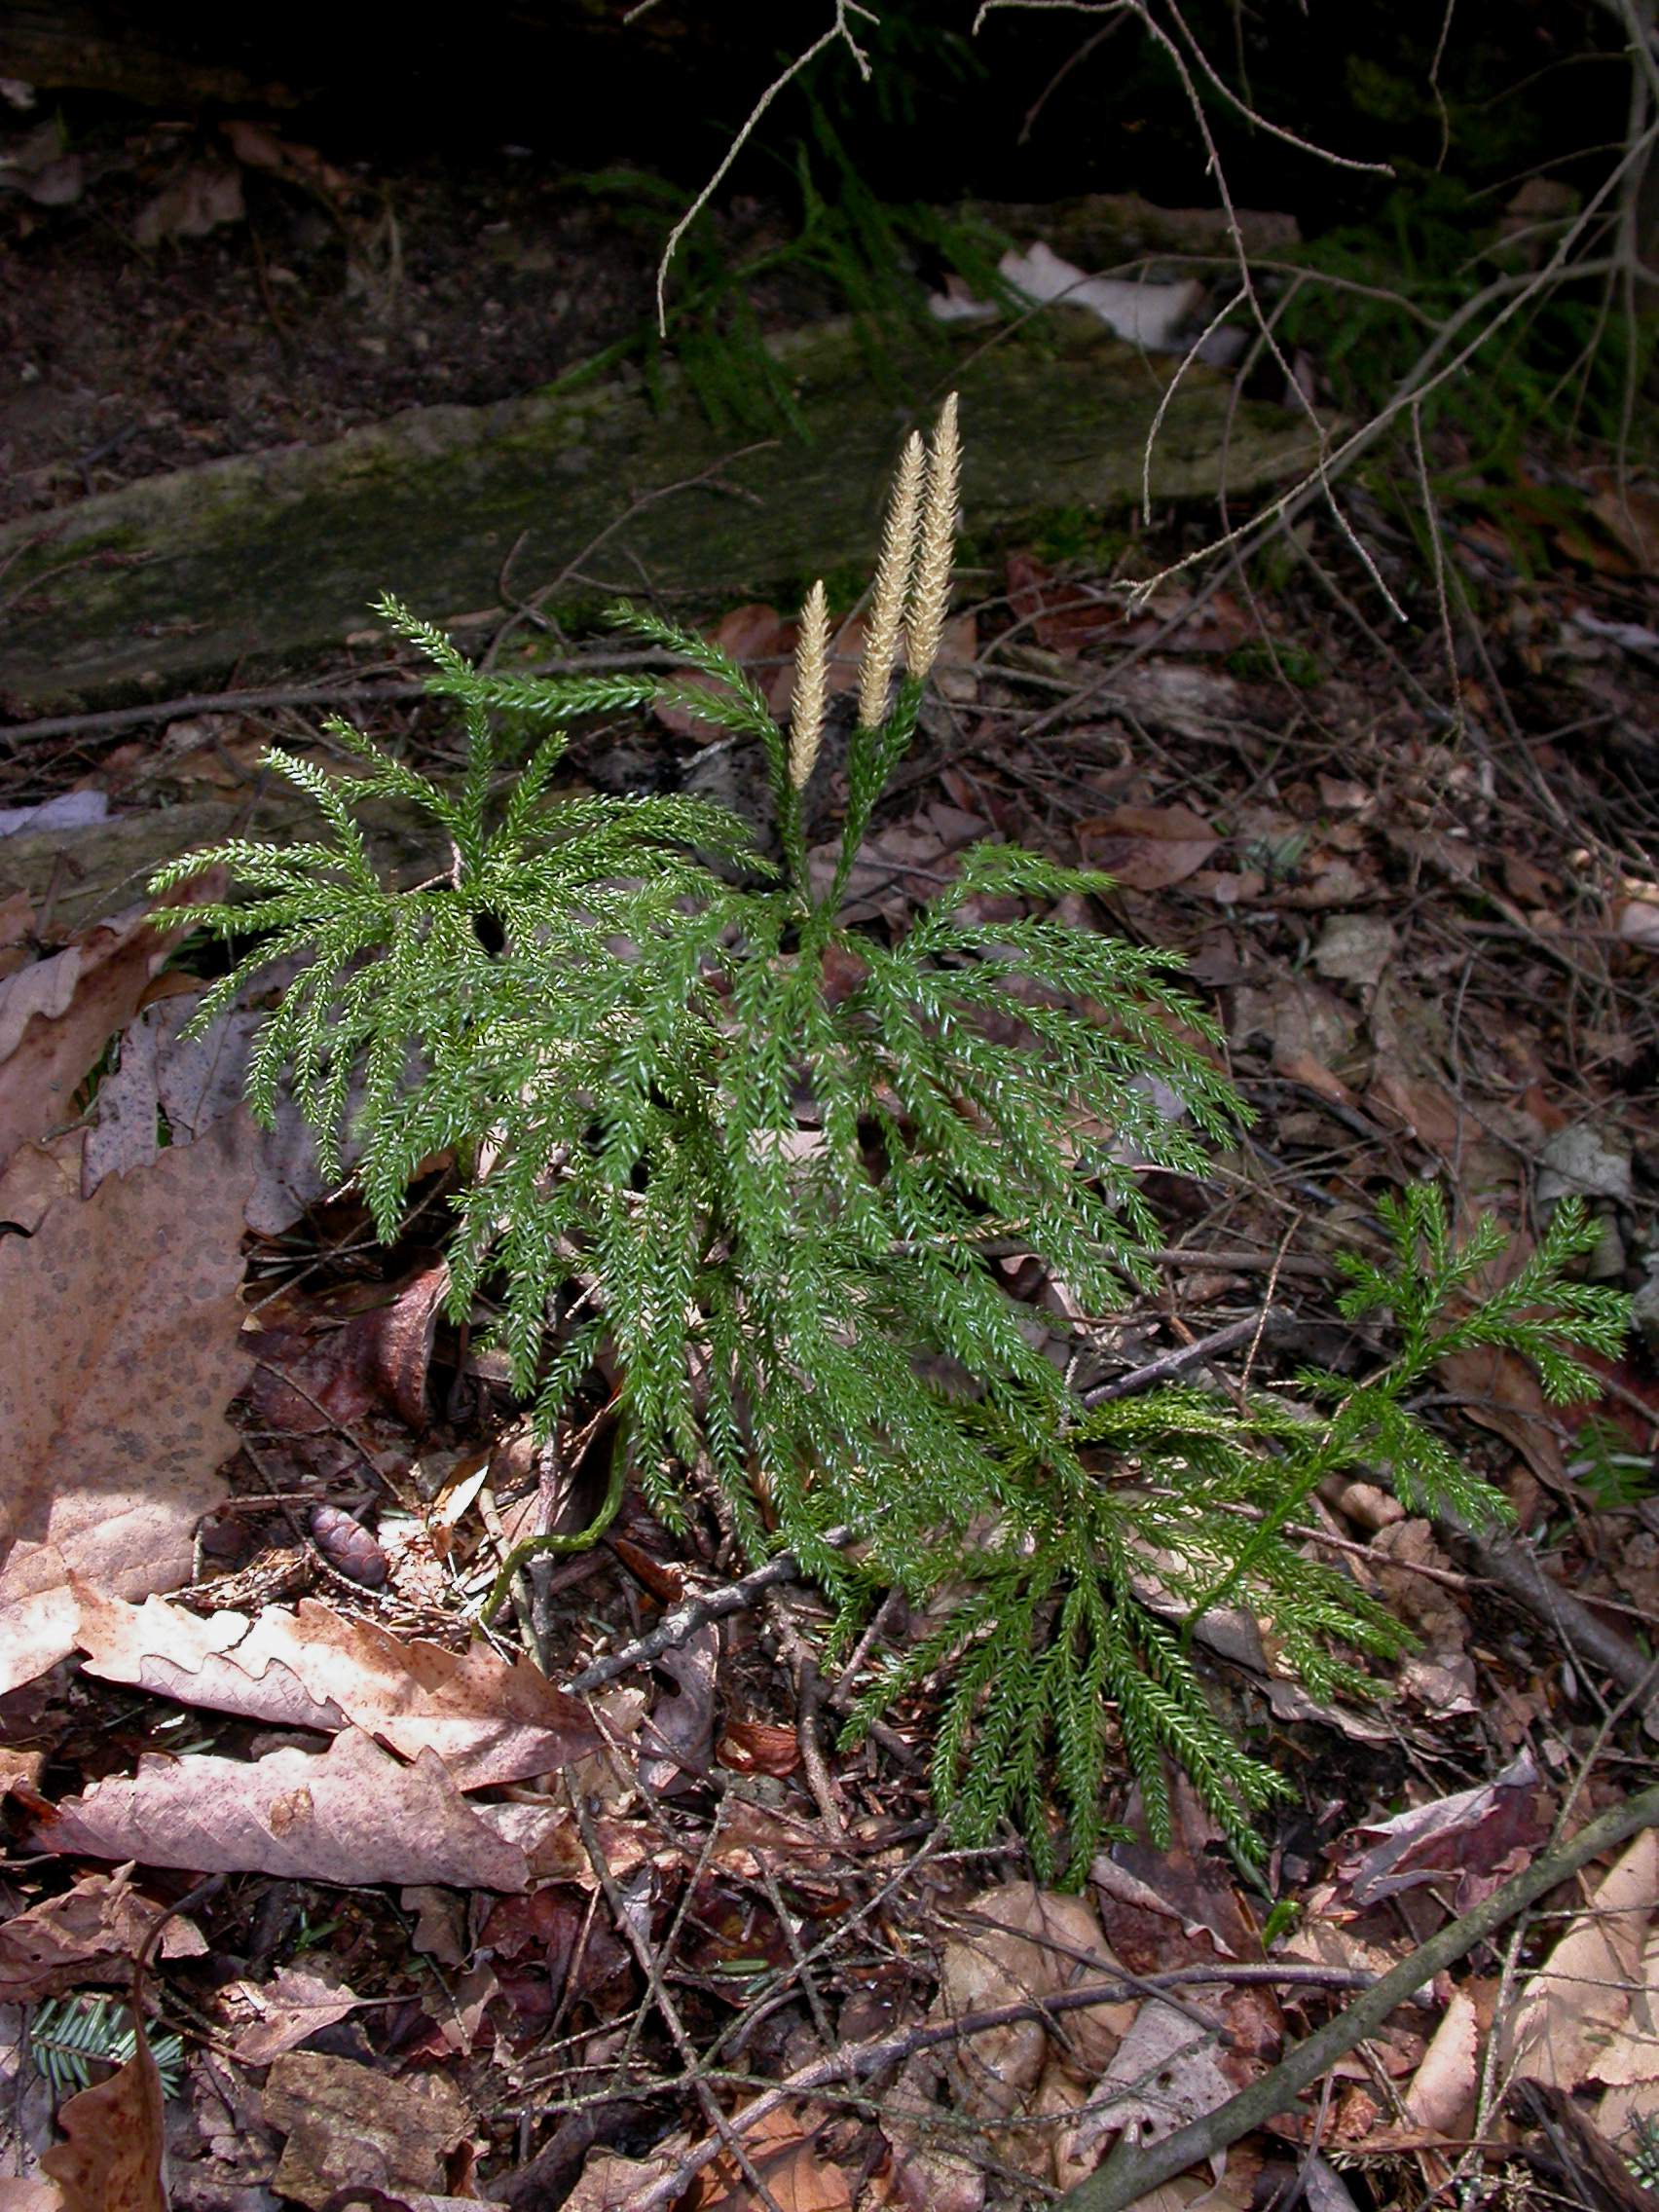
859 2061
1185 1355
1132 2173
685 1620
337 694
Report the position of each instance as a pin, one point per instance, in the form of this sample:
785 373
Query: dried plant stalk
936 549
807 699
892 584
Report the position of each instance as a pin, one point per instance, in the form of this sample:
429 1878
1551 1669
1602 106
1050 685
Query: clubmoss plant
759 1166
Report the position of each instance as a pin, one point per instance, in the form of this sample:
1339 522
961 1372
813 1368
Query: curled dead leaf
110 2159
489 1720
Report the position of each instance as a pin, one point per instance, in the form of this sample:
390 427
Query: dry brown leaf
292 2006
490 1721
608 2179
110 2159
125 1346
192 1082
57 1014
759 1747
1008 1945
1148 848
352 1814
1499 1390
677 1742
92 1932
1440 1677
37 1176
1299 1018
1477 1834
375 1363
798 2178
28 2193
351 2126
1422 1108
1567 2017
1445 2082
19 1769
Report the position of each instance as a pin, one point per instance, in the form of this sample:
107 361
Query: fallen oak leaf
125 1346
351 1814
491 1722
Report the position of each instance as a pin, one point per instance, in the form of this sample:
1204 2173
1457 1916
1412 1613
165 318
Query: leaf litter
423 1977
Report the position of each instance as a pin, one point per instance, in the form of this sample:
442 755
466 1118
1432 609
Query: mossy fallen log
254 562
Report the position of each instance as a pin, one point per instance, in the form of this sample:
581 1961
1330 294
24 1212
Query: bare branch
840 28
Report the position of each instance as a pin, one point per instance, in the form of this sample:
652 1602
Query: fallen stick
1128 2175
1186 1356
685 1620
1507 1560
356 693
1131 2172
856 2061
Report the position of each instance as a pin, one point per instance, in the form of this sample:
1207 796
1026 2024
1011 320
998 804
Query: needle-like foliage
759 1162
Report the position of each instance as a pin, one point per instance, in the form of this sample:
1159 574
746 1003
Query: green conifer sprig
750 1158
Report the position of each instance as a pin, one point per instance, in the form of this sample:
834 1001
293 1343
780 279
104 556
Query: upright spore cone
892 583
936 549
806 700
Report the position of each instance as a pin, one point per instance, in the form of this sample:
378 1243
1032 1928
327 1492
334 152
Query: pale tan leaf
1633 2055
352 1814
491 1722
124 1347
1568 2015
1445 2082
1015 1942
110 2159
351 2127
1164 2074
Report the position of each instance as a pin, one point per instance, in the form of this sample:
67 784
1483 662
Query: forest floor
478 1936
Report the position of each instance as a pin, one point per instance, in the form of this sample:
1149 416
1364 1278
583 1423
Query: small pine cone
348 1546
